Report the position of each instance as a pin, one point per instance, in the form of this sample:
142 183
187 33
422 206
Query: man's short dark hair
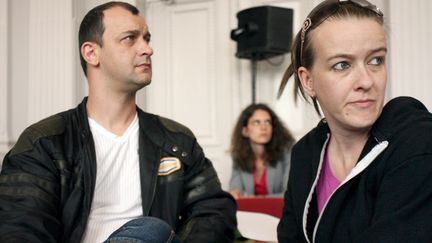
92 27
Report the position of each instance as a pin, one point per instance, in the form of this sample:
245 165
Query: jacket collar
150 144
82 119
148 123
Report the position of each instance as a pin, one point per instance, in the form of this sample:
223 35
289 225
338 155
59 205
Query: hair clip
307 23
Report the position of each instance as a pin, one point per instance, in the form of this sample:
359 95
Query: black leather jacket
48 179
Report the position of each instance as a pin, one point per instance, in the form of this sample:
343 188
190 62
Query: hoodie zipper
360 166
309 198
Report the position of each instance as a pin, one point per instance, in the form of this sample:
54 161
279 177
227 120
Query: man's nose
145 48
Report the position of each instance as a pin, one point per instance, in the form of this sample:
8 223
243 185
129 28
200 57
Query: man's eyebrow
131 32
147 36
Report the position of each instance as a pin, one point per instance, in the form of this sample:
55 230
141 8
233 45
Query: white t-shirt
117 196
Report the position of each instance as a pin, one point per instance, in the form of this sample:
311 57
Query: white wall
4 133
197 79
410 32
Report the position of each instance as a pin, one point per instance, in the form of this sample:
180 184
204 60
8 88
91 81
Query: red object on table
268 205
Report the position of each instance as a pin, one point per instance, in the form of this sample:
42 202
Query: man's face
125 54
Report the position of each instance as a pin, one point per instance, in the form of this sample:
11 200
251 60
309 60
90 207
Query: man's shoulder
51 126
164 123
174 126
173 137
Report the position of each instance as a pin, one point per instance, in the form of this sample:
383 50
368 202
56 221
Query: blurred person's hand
235 193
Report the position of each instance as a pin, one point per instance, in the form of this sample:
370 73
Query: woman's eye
376 61
341 66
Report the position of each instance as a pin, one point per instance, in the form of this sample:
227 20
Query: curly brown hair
241 150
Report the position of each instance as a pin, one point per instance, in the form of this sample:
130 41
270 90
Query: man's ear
307 81
90 53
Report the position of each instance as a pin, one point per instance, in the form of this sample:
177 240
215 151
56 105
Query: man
81 174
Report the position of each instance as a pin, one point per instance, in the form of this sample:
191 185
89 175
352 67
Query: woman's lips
363 103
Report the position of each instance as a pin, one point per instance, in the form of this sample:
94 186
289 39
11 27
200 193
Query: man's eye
376 61
129 38
341 66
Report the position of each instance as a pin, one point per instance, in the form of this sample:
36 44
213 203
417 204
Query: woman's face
349 73
259 127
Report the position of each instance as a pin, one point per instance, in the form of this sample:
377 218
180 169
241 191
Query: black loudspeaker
263 32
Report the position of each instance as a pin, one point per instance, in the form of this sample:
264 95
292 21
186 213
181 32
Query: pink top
327 183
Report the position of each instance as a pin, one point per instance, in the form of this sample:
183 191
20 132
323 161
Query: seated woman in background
260 149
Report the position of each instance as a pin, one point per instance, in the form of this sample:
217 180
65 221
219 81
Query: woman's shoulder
403 117
405 123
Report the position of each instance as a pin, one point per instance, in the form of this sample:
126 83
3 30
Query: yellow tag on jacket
168 165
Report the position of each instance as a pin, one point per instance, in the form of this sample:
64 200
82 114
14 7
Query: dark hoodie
386 198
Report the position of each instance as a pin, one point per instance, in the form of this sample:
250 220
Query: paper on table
257 226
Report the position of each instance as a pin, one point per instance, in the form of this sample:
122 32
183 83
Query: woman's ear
306 81
90 53
245 132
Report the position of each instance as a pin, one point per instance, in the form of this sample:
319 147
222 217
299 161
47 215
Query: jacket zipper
360 166
154 181
309 198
